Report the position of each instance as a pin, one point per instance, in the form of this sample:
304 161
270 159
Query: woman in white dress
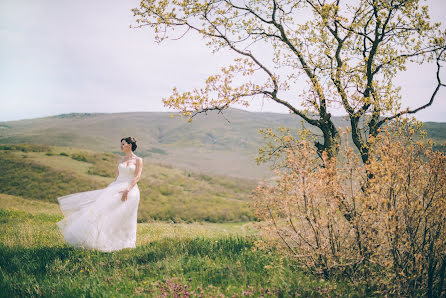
105 219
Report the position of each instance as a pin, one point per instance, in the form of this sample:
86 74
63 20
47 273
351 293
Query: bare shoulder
138 159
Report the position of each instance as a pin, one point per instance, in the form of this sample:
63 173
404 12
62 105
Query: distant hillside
209 144
436 130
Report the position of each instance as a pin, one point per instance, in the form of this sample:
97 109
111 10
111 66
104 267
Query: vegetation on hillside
172 141
166 193
20 177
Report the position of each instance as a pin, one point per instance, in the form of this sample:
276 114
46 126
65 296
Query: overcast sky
60 56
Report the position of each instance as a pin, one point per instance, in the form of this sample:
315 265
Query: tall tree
349 52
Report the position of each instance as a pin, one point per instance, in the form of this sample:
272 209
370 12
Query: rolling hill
44 173
210 143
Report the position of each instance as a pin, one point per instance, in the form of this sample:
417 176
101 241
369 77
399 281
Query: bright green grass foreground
174 260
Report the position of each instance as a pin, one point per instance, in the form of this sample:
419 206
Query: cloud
81 56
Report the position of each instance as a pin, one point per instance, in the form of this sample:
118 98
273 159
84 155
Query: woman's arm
138 171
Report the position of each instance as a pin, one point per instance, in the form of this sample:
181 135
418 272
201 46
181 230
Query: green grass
167 193
35 261
198 258
27 205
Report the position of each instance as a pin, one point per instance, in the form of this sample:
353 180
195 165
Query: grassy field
196 234
179 255
171 259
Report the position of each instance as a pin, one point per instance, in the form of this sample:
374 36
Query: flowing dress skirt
98 219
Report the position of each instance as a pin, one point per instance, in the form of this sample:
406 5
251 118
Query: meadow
171 259
195 236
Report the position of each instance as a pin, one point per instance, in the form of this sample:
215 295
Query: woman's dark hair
132 141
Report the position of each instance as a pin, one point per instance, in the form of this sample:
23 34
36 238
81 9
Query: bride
105 219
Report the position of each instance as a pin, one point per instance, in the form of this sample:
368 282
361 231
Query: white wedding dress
98 219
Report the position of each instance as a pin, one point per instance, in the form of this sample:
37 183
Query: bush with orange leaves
383 224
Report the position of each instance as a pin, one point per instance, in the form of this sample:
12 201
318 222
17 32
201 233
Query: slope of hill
209 144
436 131
45 173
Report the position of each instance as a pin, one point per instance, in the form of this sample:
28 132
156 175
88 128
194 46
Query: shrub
157 150
383 223
166 190
79 157
26 147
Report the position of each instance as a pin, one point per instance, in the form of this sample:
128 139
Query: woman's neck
129 155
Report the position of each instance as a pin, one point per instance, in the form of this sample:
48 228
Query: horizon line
167 112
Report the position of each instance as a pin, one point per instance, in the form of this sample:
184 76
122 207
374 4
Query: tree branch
434 94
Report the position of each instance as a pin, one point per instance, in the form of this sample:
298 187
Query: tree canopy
348 52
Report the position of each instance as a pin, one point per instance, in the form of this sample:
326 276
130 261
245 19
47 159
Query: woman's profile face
124 145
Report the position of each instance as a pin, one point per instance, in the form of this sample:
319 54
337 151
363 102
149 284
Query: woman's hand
125 192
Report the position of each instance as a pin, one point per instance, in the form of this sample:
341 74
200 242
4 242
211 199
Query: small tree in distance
349 53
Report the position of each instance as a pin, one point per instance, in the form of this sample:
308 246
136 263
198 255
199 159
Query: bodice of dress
126 173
